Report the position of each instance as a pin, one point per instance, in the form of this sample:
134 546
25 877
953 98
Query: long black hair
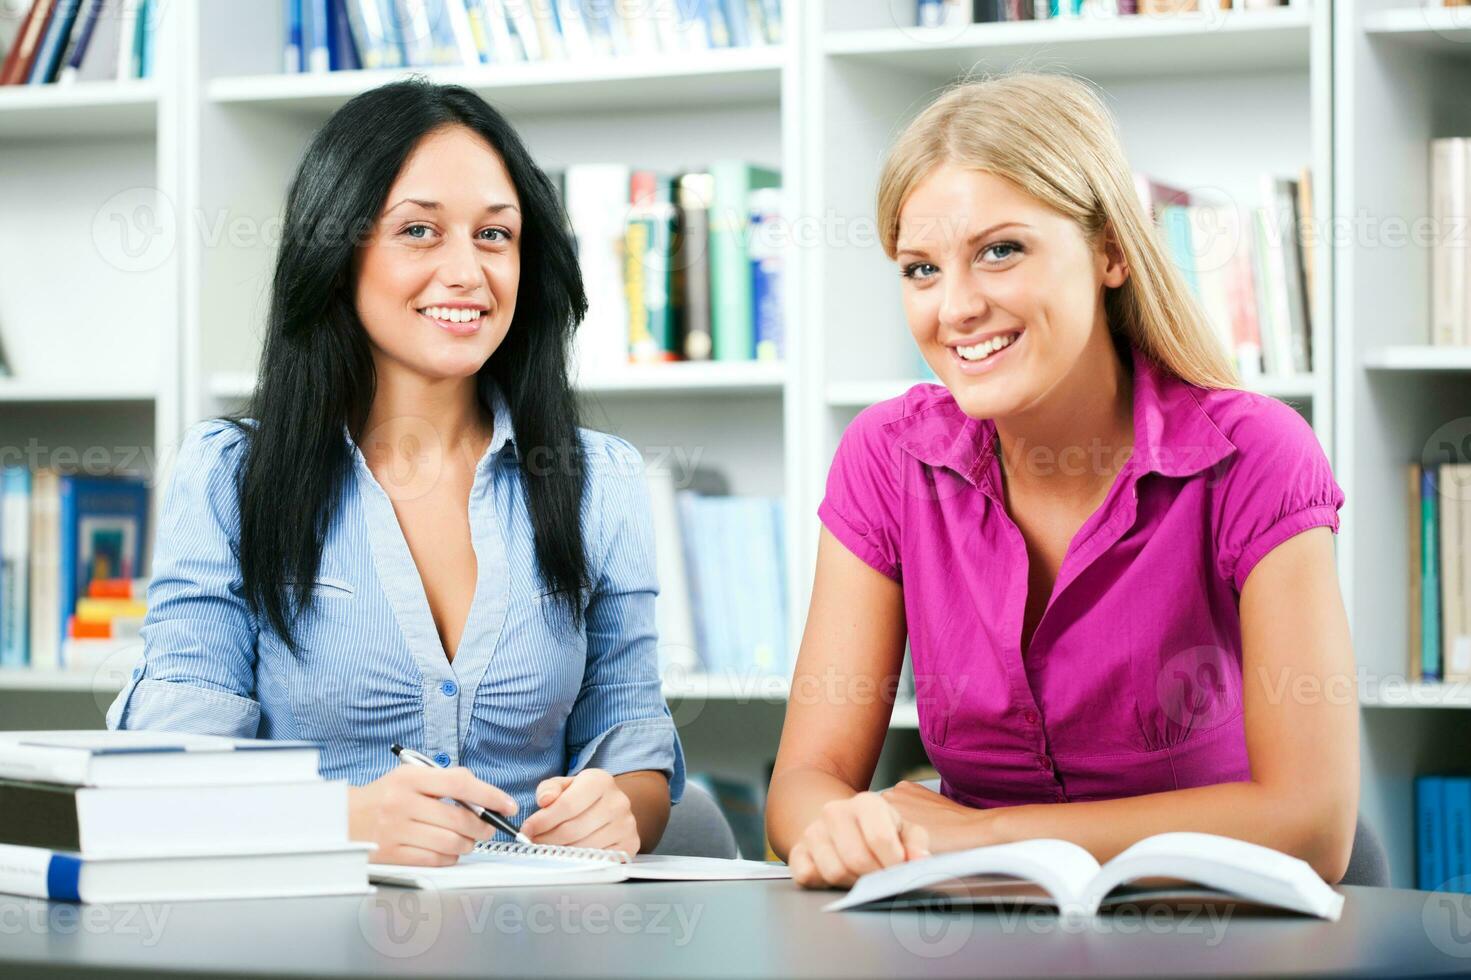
316 372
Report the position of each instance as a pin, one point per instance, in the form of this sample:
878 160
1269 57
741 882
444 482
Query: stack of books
1250 267
677 267
60 533
342 35
153 817
944 13
1439 534
66 41
1443 833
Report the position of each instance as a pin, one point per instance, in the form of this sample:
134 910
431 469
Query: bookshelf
1353 89
1400 75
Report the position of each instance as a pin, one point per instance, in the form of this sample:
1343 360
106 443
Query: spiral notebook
496 864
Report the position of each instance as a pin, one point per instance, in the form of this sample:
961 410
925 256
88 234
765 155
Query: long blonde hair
1052 137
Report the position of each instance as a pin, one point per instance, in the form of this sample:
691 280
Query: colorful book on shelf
104 528
1443 832
48 59
690 273
1430 622
730 273
648 238
22 52
765 248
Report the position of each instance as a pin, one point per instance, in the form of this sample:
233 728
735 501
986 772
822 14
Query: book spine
1450 186
766 275
72 62
1415 611
48 58
291 59
39 873
15 506
127 41
738 22
1455 666
1266 295
636 237
1429 805
730 275
1430 667
457 14
687 503
692 259
1457 794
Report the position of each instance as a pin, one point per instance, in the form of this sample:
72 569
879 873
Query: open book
1057 872
495 864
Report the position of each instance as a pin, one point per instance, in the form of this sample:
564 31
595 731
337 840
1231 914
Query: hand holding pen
404 814
489 816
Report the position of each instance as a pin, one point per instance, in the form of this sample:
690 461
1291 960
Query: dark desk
742 929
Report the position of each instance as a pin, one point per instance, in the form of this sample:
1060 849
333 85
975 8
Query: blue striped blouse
526 696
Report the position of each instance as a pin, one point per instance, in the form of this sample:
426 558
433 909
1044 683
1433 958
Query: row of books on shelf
72 548
1450 253
677 267
66 41
721 609
342 35
172 818
1442 826
1439 506
947 13
1250 267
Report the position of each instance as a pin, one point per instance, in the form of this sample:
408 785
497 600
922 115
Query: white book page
1233 867
494 870
670 867
1060 868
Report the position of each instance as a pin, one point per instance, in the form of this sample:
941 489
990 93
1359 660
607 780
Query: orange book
23 52
117 588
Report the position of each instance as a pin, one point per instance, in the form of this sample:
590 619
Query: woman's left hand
585 810
952 826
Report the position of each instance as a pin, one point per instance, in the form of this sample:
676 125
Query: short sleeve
620 721
1277 485
197 670
861 503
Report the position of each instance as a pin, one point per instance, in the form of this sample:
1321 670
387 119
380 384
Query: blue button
448 689
137 671
442 758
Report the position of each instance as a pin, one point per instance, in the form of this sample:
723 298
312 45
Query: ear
1113 269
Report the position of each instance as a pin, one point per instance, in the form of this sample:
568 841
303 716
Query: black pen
489 816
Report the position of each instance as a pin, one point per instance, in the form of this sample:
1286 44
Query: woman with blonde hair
1113 566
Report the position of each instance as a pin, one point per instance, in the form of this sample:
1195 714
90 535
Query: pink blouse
1132 680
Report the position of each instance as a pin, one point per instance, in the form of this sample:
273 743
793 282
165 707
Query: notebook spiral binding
552 851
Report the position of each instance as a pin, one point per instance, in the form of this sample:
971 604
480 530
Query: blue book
694 557
342 52
1430 653
316 32
85 30
1456 792
737 23
15 510
294 61
1175 219
53 43
1430 839
146 40
104 532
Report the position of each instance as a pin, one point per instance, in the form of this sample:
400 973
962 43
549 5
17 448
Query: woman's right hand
852 837
405 814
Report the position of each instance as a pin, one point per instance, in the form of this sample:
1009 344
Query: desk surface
697 929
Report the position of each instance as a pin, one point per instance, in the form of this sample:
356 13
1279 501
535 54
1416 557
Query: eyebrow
911 250
435 206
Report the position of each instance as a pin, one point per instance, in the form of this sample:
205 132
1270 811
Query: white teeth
451 315
981 351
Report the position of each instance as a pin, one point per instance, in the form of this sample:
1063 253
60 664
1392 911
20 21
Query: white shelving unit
194 166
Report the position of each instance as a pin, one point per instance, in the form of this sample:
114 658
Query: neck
1072 443
413 417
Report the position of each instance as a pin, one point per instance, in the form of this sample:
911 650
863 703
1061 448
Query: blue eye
410 228
506 235
1012 247
912 271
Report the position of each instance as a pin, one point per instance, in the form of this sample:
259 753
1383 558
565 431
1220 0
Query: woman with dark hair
407 538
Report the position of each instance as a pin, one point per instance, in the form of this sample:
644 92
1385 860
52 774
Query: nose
963 301
459 265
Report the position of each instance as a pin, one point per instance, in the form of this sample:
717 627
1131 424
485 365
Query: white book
506 865
1456 663
58 875
143 758
1060 873
45 573
1450 253
597 207
1213 246
458 16
164 821
678 647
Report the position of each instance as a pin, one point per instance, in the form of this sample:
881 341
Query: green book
1429 576
733 321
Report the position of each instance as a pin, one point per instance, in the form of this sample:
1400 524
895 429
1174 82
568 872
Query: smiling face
1003 294
437 279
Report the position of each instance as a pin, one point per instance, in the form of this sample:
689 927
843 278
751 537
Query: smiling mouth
983 351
